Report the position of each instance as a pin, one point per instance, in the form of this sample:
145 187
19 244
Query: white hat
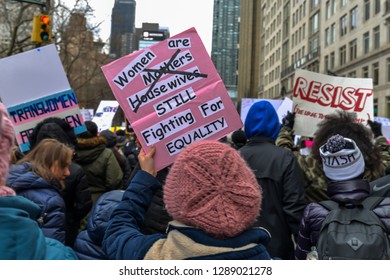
342 159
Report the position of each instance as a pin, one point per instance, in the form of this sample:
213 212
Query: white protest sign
317 95
385 126
34 86
105 113
282 106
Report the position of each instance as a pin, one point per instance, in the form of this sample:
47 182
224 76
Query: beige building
349 38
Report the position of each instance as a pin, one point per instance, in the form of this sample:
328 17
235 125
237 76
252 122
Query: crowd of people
256 195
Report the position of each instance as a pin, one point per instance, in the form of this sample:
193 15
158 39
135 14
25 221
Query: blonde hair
44 155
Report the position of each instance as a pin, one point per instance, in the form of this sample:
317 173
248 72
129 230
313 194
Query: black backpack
353 232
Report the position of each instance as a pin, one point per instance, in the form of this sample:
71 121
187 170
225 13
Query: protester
20 234
130 151
346 187
111 143
88 245
121 140
239 139
99 163
76 194
340 122
213 198
278 173
39 176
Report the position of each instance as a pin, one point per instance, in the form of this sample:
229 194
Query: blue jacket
47 195
20 235
88 244
124 240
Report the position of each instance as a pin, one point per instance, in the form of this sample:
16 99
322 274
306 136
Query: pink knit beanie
211 187
7 136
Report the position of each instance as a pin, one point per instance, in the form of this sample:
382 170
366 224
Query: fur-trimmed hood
89 149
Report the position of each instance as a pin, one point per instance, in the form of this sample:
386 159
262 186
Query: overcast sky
177 15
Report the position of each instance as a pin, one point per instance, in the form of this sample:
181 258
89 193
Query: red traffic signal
41 32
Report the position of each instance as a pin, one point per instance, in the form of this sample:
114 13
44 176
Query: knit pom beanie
342 159
210 187
7 136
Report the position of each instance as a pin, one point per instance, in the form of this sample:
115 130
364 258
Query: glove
288 120
376 128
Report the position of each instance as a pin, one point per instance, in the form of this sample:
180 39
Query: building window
343 3
333 33
343 25
388 106
343 55
352 74
352 50
293 41
334 6
365 72
327 37
366 9
314 24
326 62
388 70
314 4
375 73
353 18
376 37
327 10
314 44
332 60
388 33
366 42
377 6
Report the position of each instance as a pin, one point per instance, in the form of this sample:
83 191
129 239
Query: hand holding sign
146 161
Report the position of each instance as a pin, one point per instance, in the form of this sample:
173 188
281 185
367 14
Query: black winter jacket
77 199
281 179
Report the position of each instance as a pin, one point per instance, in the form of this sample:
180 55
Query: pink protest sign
317 95
172 95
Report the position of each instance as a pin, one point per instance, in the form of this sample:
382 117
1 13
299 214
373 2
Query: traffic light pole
32 2
39 3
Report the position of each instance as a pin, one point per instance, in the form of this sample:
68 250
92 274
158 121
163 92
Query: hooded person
238 139
278 173
19 217
375 151
99 163
343 164
213 198
111 143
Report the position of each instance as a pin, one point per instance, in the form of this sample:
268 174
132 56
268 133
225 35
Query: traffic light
41 32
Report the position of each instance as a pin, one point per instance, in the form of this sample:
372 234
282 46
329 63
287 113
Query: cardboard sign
33 87
317 95
172 95
105 113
